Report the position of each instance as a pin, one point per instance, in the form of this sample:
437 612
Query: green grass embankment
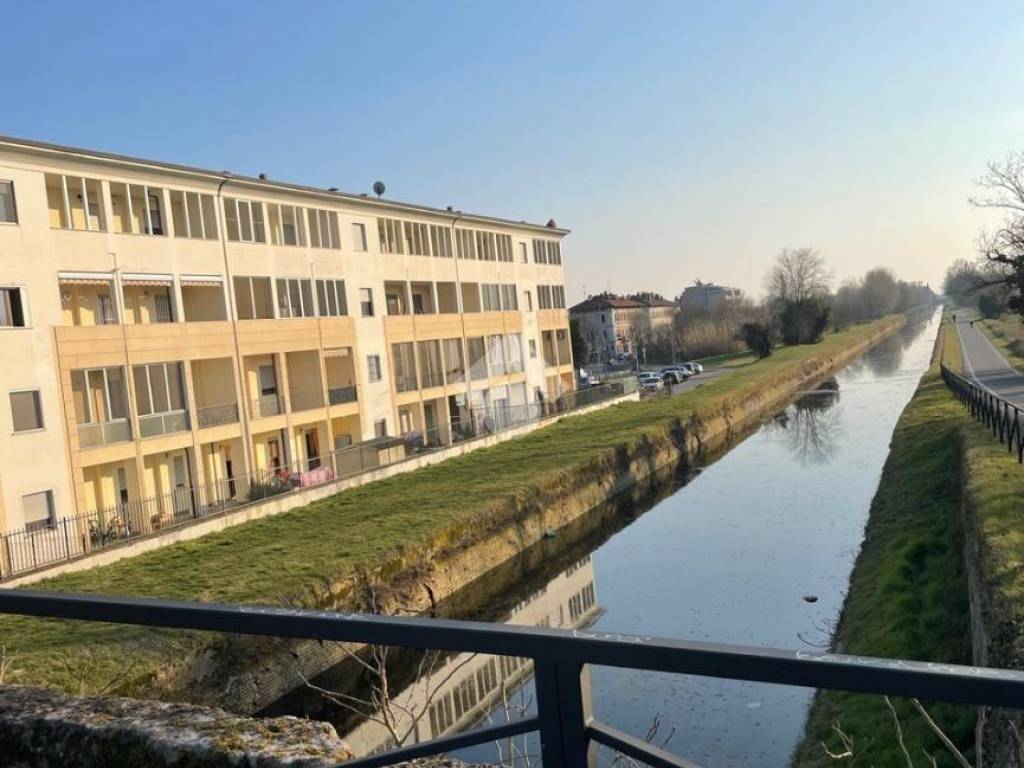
908 594
1007 335
297 553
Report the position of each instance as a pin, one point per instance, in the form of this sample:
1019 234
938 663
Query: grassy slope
284 555
908 592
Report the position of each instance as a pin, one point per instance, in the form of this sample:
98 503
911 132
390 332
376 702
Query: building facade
167 328
705 296
613 325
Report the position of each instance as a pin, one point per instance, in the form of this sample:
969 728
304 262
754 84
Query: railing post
564 712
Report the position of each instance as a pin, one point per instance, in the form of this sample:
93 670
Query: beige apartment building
168 328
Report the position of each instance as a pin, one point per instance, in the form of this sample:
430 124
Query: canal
753 547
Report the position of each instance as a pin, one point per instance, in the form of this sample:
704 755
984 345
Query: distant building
612 323
706 295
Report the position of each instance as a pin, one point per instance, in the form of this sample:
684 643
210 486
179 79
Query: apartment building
613 324
168 328
706 296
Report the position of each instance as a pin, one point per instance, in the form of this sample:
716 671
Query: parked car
682 371
650 382
672 375
697 367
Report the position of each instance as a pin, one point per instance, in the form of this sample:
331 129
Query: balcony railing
304 401
341 395
268 405
569 733
104 433
405 383
216 415
431 379
455 375
156 424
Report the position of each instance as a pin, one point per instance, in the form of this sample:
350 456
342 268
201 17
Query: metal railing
569 733
431 379
340 395
268 405
103 433
999 415
23 551
406 383
155 424
216 415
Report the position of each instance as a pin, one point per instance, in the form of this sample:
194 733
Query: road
988 366
693 382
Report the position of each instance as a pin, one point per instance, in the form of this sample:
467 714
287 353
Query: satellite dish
378 188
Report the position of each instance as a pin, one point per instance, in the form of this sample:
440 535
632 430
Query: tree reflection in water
811 426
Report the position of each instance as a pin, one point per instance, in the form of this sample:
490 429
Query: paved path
987 365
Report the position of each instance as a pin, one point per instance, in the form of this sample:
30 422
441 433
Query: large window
294 297
194 215
244 219
38 510
8 211
454 368
465 244
136 209
550 297
100 398
390 233
286 224
547 252
486 249
504 243
403 366
12 309
158 388
252 298
26 410
330 296
75 202
323 228
509 299
440 241
490 297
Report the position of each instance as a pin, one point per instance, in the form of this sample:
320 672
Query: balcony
216 415
103 433
405 383
156 424
431 379
342 395
268 405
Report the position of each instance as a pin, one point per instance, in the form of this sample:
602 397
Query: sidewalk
987 366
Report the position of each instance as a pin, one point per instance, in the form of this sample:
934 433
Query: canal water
753 548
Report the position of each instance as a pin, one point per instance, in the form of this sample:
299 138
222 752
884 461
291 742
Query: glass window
331 300
380 428
74 202
193 215
366 301
359 237
38 510
12 313
373 367
244 219
8 212
26 410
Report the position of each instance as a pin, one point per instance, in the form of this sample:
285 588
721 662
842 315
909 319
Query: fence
569 734
26 550
1001 416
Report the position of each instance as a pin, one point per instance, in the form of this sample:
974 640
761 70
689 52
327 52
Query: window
504 247
390 233
440 241
465 244
252 298
366 301
244 219
509 300
533 348
286 224
330 296
490 297
558 296
74 202
158 388
373 367
136 209
529 301
26 410
294 297
38 510
194 215
380 428
8 213
323 228
522 253
358 237
544 297
12 312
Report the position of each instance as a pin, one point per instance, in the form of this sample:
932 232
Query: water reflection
812 426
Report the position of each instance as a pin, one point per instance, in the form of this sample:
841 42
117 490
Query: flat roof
89 154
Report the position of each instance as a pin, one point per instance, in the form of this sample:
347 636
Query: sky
677 140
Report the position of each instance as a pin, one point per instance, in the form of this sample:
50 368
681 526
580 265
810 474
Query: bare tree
797 275
1002 250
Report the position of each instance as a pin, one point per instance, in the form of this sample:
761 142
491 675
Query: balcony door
312 448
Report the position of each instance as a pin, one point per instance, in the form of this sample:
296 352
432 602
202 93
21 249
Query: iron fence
997 414
26 550
569 733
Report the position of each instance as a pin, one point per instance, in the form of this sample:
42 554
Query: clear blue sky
677 140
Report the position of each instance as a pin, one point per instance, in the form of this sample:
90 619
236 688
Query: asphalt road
695 381
987 365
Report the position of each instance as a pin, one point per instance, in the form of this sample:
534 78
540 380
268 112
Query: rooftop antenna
378 188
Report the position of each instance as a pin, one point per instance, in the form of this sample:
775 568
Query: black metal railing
995 413
569 733
25 550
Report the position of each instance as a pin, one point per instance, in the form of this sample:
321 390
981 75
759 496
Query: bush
804 321
757 338
989 306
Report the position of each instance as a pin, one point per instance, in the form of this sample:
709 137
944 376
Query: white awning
201 280
84 278
137 278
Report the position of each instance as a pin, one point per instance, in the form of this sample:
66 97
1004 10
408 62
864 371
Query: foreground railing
25 550
999 415
569 734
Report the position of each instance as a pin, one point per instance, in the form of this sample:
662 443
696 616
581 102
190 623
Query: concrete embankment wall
245 675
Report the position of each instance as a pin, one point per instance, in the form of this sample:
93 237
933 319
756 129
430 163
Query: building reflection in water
456 692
